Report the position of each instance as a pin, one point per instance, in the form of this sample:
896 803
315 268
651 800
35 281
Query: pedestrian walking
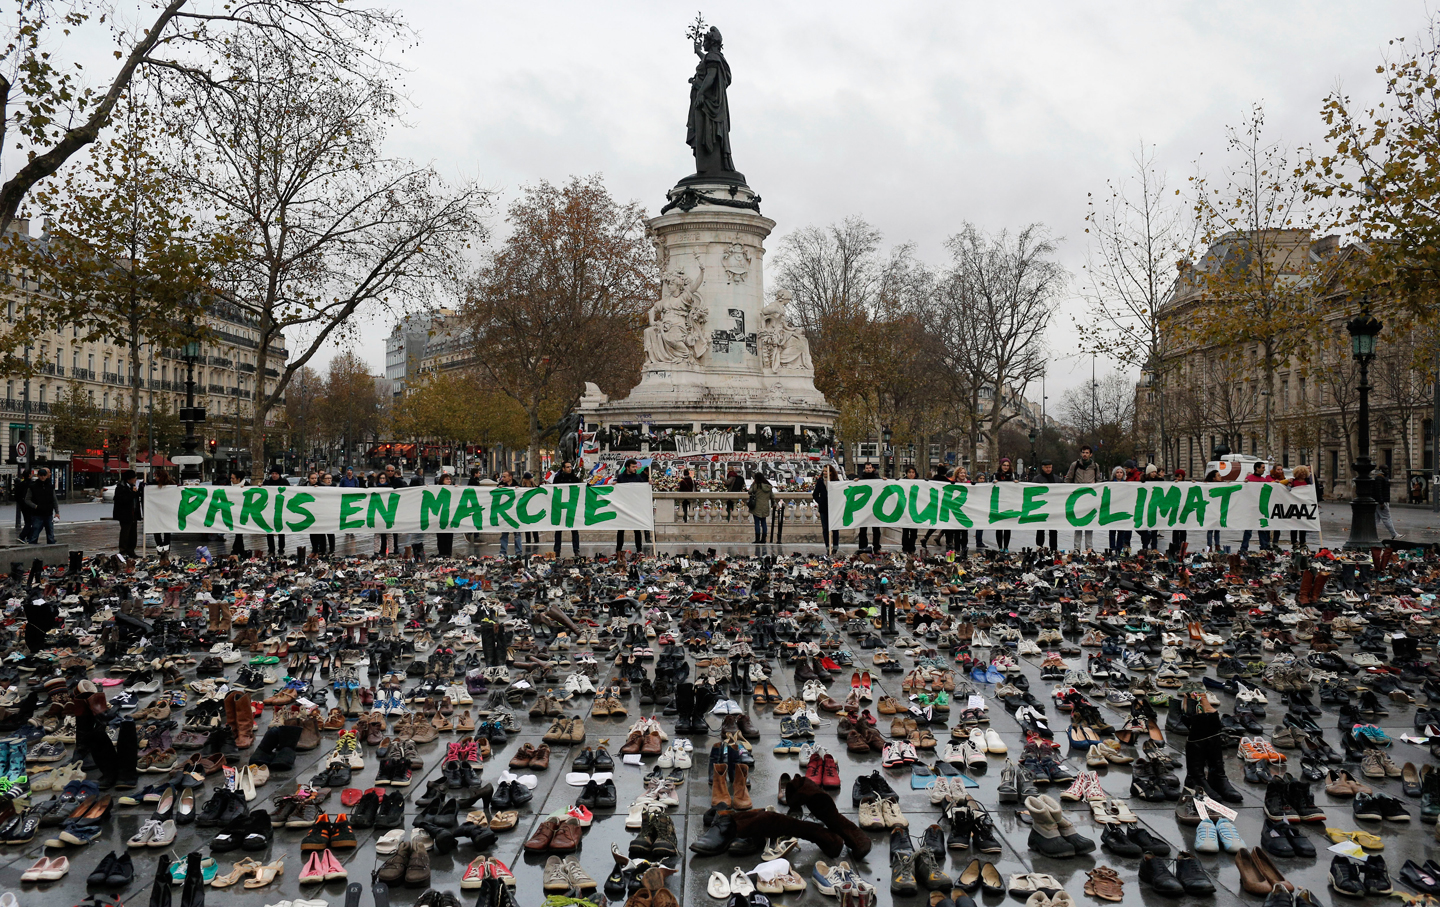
43 507
762 497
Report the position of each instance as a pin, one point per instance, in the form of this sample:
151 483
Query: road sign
22 450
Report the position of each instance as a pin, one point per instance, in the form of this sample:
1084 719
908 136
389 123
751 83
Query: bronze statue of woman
708 131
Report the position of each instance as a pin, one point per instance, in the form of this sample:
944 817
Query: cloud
917 115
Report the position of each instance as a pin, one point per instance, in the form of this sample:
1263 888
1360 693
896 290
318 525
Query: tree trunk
134 357
532 456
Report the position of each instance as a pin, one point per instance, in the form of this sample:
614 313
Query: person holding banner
909 536
1006 473
1119 538
942 476
1298 537
1084 471
868 474
270 538
821 497
507 480
1257 474
1045 475
959 539
444 541
631 473
568 475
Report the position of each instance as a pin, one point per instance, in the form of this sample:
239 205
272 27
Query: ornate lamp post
1363 328
1032 436
886 455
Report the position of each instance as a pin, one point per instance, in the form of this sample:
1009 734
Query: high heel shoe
265 873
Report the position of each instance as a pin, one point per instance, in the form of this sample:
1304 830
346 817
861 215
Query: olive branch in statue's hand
696 33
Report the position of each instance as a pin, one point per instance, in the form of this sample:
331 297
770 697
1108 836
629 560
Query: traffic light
213 444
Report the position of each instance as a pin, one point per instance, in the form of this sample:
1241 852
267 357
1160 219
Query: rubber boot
127 755
105 756
160 891
685 702
193 894
1205 726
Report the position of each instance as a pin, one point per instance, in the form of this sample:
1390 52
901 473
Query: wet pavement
1412 840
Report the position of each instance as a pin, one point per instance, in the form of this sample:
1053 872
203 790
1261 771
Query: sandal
237 872
1104 883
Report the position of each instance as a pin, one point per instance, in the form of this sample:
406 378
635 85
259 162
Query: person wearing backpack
1084 471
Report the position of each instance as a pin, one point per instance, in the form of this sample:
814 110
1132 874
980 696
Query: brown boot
244 722
230 719
214 625
720 789
740 790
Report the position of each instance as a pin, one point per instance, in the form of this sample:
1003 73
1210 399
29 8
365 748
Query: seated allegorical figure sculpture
677 333
783 347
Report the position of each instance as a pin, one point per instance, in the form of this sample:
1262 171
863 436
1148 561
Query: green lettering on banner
1194 503
526 516
252 507
1164 502
501 500
295 506
470 509
190 501
1222 494
1032 502
1106 515
996 514
564 500
856 497
1071 516
437 503
952 499
1139 507
890 491
383 506
1265 503
926 515
220 505
278 519
350 506
595 503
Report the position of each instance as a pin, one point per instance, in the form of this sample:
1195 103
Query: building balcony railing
18 406
110 377
84 374
221 361
217 389
247 367
49 368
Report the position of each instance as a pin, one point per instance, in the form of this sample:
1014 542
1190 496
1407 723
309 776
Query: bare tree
1400 370
49 112
349 409
1337 379
288 163
1008 287
1106 414
1138 235
1257 284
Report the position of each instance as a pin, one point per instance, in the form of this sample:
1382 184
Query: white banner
431 508
911 503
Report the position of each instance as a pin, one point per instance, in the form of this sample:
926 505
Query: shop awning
96 464
158 461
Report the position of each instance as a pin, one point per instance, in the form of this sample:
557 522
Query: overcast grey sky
917 116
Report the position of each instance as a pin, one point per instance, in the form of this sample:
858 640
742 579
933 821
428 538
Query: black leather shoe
1115 841
1192 875
1156 873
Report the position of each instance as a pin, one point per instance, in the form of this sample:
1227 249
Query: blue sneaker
1229 835
977 674
16 765
1207 839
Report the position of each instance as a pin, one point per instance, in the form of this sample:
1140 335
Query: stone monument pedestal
716 353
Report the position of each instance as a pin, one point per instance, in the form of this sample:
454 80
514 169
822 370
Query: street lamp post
1363 328
886 455
1033 436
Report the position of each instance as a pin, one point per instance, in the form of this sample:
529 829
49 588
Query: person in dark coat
568 475
821 497
22 516
445 541
631 473
868 474
43 509
275 479
126 511
942 475
1046 475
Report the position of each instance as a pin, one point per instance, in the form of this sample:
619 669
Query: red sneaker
815 769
